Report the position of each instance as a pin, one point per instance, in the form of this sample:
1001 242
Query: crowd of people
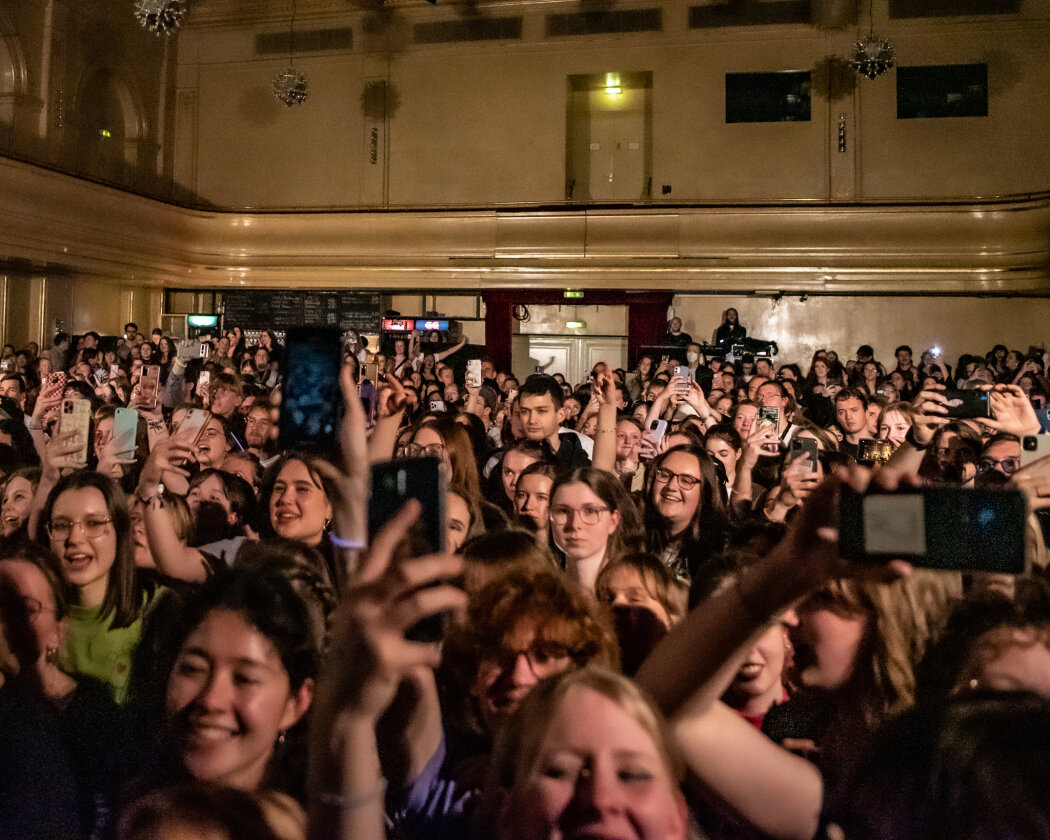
645 626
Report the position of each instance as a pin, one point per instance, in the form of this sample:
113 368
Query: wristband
347 803
909 439
345 544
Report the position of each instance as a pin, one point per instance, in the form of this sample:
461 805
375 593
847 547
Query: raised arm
604 457
368 659
383 439
444 354
171 554
778 792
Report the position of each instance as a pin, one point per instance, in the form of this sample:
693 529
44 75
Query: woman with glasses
59 733
593 522
685 515
447 440
86 523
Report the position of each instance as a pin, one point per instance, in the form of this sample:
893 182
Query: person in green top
86 521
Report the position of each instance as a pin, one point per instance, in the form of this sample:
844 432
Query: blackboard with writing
281 309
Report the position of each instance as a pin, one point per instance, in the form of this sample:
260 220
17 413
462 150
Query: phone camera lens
1031 444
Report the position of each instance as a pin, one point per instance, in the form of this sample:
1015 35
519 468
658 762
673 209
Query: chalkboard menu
281 309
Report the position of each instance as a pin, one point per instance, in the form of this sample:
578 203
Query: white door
571 356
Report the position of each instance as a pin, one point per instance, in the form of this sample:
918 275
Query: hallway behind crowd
429 598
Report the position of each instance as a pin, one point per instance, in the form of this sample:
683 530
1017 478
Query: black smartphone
392 484
367 391
311 400
806 448
968 404
937 528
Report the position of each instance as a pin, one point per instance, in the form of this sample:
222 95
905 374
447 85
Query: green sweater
93 649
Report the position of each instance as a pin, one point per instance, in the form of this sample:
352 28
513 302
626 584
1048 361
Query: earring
327 522
50 655
280 737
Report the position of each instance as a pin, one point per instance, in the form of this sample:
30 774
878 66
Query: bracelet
347 803
758 614
37 428
338 542
909 439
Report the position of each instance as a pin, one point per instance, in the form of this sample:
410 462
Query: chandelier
289 85
874 55
161 17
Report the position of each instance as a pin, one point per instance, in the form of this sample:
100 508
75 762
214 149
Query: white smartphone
474 373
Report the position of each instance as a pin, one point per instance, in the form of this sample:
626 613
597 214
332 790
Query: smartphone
193 424
311 401
75 416
968 404
367 392
371 372
473 377
937 528
205 350
437 405
1034 447
114 370
805 448
56 384
125 432
770 413
392 484
149 387
684 376
658 428
203 383
101 376
874 451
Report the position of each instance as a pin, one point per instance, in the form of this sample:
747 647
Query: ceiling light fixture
289 85
162 17
874 55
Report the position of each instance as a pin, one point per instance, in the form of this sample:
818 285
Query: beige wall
958 324
485 123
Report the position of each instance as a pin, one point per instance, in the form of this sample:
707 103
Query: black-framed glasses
1007 466
62 529
588 514
685 481
543 658
434 450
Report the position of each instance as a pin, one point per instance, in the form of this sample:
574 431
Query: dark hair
705 537
125 589
903 347
14 377
539 384
971 768
204 808
629 535
49 566
852 394
726 432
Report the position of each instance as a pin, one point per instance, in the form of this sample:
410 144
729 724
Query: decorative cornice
51 222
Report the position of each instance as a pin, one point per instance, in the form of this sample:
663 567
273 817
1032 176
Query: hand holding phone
473 377
936 528
393 484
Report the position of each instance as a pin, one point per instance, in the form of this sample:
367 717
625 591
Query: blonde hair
904 618
518 744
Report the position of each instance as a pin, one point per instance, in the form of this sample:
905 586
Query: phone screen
392 484
940 528
311 401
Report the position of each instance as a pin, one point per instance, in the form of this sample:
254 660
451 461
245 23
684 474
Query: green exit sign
572 294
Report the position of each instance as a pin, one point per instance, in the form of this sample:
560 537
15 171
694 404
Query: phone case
75 416
149 387
193 424
125 429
